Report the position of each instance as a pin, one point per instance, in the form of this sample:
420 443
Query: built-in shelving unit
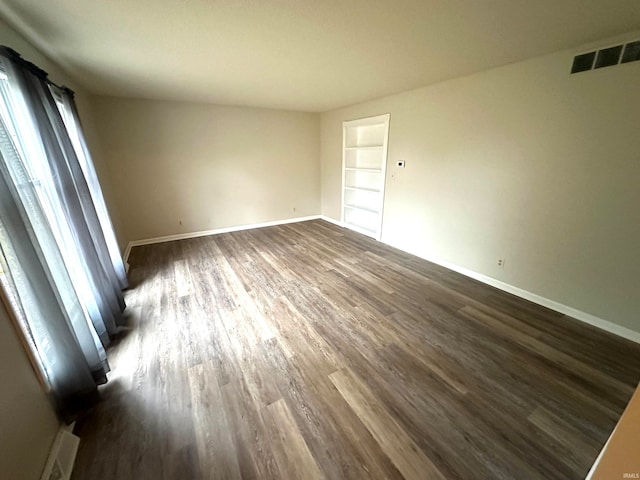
363 174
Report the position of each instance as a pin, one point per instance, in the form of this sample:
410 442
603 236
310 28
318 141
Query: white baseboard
204 233
62 456
125 256
600 455
519 292
540 300
332 220
350 227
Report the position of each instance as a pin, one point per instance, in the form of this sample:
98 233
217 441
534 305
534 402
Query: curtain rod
11 54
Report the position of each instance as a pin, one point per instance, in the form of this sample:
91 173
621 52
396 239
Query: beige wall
28 424
93 137
525 163
185 167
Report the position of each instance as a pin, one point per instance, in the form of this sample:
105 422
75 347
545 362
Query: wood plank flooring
306 351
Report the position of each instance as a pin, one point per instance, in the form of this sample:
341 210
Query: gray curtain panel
69 255
41 291
70 190
84 157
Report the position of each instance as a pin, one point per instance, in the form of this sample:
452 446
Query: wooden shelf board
374 190
365 209
359 228
365 147
355 169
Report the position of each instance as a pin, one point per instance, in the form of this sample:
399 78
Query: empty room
293 239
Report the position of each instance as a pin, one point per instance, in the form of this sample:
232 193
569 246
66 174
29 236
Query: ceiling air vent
584 62
631 52
606 57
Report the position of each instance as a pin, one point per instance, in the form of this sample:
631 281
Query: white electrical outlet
501 262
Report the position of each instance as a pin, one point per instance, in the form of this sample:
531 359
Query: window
58 254
46 217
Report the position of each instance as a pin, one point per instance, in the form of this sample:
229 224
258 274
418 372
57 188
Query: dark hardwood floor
309 351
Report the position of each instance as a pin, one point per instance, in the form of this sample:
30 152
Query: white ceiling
311 55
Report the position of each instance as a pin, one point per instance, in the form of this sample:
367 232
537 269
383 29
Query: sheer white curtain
60 263
67 105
